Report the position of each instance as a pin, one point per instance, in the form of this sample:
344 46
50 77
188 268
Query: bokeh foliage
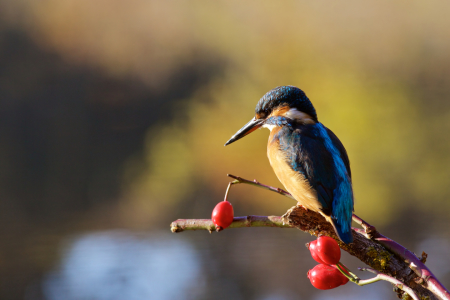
362 64
378 73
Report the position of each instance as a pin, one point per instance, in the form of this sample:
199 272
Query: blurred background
113 116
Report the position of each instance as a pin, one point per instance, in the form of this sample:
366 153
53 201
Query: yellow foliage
342 55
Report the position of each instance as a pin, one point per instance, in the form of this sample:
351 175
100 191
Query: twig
260 185
369 230
238 222
381 276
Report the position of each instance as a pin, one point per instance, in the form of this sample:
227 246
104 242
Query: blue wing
317 153
343 153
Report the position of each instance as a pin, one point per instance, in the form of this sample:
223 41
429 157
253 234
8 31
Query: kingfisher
307 157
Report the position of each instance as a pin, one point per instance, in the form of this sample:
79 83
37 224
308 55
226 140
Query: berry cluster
327 253
324 250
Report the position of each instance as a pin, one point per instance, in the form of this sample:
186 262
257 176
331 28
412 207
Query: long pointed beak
248 128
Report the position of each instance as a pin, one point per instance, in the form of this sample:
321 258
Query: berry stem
352 277
228 190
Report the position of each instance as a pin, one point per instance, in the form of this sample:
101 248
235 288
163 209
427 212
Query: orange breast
294 182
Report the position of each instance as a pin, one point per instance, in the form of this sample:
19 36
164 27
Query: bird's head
278 106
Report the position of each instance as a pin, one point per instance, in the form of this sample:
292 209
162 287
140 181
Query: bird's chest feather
293 180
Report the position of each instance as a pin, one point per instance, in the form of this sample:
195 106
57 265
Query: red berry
324 277
312 246
328 250
325 250
223 214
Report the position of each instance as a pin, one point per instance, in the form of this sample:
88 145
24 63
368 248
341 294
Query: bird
307 157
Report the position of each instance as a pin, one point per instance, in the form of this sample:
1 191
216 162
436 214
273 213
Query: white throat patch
269 126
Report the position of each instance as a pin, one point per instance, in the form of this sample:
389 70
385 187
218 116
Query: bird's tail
345 236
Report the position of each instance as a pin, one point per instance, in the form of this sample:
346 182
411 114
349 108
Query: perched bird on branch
307 157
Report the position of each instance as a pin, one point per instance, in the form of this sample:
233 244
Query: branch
369 246
238 222
424 277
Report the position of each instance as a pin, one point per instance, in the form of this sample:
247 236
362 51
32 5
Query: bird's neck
299 117
277 122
